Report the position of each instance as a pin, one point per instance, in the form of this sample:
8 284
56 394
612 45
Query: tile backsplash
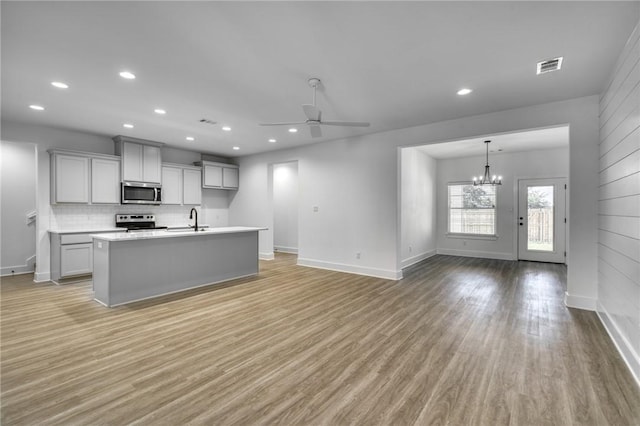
69 217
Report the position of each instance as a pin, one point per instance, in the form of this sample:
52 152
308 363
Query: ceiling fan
314 116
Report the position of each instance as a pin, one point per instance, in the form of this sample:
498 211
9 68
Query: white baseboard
418 258
40 277
579 302
475 253
282 249
16 270
352 269
628 354
266 256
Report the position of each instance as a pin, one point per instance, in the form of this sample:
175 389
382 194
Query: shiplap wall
619 205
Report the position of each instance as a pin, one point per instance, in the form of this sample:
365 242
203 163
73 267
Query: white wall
214 208
285 207
619 206
355 182
352 182
18 198
417 206
512 166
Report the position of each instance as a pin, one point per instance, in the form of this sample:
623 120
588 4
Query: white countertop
86 230
148 235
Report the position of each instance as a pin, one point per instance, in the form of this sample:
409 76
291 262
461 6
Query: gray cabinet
192 188
76 259
71 254
105 181
181 184
219 175
141 159
171 185
69 178
84 178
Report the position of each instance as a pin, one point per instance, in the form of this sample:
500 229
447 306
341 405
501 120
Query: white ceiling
531 140
394 64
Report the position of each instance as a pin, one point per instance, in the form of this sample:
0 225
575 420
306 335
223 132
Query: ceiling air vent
549 65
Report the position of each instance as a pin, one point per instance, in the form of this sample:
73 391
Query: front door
541 220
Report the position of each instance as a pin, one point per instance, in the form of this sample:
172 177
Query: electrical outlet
358 255
410 249
464 243
315 209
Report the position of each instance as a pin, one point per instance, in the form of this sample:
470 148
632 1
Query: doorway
542 220
285 207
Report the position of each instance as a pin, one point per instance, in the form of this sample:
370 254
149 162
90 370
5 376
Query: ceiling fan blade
346 123
283 124
315 131
311 111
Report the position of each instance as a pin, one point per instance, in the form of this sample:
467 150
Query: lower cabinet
76 259
71 254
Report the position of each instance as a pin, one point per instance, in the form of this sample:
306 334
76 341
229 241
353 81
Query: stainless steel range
137 222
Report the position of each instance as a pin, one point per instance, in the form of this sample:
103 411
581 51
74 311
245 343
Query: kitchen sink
185 230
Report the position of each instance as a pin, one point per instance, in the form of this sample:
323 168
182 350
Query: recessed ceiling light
128 75
236 148
272 140
37 107
59 85
190 138
159 111
226 128
464 91
128 126
293 130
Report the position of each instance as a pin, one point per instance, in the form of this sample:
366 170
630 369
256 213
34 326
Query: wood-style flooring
458 341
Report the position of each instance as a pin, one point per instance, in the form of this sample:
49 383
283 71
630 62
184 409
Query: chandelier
487 179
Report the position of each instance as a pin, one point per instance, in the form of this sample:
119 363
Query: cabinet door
105 181
230 178
151 164
212 176
71 179
132 160
192 186
76 259
171 185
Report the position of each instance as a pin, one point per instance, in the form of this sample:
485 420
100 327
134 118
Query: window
472 209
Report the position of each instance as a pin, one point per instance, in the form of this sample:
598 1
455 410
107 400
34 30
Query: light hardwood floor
458 341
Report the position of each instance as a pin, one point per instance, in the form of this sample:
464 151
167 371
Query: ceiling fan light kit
487 178
314 116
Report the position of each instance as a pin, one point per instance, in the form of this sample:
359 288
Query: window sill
472 236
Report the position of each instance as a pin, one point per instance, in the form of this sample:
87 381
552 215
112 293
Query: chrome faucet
193 210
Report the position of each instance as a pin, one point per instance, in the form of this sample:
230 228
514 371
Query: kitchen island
132 266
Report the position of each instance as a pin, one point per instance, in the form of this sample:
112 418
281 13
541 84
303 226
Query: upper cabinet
181 185
105 181
192 189
219 175
171 185
83 178
69 178
141 159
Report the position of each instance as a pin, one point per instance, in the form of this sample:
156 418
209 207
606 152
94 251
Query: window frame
471 236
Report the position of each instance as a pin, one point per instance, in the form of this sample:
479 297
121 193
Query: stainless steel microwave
141 193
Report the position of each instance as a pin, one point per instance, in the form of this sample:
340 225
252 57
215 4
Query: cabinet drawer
75 239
